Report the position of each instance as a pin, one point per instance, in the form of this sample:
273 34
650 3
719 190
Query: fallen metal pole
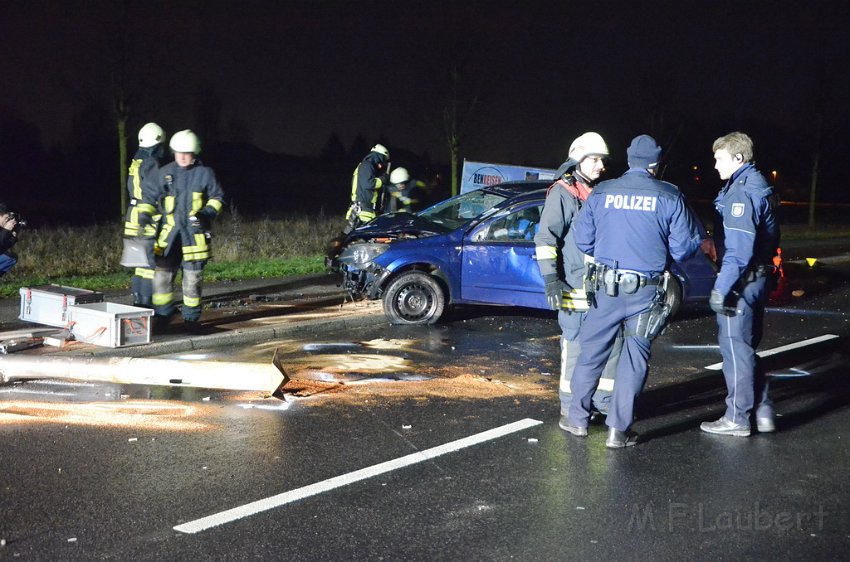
223 375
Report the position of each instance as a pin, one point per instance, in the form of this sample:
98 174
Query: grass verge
87 257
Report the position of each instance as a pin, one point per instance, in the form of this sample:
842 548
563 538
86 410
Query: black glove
199 223
717 303
555 291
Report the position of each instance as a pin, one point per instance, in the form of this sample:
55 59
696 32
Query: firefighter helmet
381 149
185 141
150 135
587 144
399 175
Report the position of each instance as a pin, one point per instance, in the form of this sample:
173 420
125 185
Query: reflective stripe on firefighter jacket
141 218
367 185
182 193
554 241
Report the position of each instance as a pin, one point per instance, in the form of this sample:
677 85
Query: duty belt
757 271
627 281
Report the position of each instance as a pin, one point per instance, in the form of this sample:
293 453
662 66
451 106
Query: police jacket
554 242
367 181
180 194
750 235
637 222
143 168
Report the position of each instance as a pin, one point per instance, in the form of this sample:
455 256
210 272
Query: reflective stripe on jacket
141 218
554 243
182 193
366 184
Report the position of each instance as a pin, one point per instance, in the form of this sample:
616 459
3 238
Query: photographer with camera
9 225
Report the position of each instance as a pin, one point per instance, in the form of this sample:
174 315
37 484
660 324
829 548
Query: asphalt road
402 443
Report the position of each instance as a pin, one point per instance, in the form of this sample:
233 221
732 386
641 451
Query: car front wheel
414 298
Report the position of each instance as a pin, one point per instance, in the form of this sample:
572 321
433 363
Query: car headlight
360 255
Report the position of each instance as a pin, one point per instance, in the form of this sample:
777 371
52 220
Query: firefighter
746 245
555 246
402 192
632 226
189 197
367 185
140 222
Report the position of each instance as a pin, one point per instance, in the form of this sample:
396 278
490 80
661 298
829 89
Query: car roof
517 191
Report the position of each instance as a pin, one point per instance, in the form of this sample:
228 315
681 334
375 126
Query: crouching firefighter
367 187
189 197
555 246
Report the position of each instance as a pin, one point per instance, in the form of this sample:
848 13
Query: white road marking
258 506
781 349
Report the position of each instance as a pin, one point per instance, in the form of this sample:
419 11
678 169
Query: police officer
189 196
631 226
555 244
367 185
746 246
139 221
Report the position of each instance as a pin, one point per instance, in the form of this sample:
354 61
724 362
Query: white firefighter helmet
587 144
150 135
399 175
185 141
381 149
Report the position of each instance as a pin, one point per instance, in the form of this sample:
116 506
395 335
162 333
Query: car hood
399 225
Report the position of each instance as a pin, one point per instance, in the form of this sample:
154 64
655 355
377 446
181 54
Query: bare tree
121 100
456 118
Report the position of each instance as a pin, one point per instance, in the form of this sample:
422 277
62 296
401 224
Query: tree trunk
814 189
815 169
454 156
122 161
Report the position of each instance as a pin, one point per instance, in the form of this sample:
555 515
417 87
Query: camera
17 217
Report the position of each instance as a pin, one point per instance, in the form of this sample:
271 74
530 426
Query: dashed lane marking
781 349
258 506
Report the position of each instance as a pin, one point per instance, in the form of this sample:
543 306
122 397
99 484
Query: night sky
285 75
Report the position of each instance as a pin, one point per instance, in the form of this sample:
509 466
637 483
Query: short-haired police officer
631 226
746 245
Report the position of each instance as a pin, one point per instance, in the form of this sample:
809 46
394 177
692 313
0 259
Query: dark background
288 96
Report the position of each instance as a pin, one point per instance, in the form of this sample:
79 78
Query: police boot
618 439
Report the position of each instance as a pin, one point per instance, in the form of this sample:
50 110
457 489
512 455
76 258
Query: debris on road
19 344
222 375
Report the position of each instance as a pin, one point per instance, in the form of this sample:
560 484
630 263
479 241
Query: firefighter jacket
183 193
367 183
402 197
750 234
141 217
637 223
554 242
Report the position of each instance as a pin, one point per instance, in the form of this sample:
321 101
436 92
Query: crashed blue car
475 248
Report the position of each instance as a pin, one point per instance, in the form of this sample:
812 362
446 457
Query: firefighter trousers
163 285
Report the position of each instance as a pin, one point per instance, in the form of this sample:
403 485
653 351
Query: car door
498 264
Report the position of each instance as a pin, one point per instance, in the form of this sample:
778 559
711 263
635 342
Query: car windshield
458 211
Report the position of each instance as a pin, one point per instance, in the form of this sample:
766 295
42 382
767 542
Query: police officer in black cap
631 226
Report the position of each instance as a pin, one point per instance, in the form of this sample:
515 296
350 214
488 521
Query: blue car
475 248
